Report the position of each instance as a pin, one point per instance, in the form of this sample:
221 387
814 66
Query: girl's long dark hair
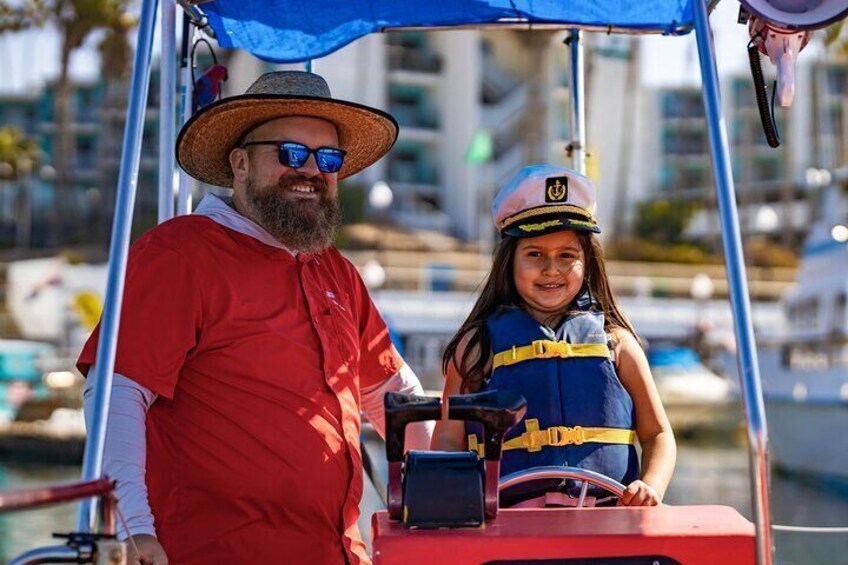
499 290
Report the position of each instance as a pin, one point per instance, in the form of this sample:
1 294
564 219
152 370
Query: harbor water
708 472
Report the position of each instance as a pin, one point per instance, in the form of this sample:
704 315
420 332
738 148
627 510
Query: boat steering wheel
588 477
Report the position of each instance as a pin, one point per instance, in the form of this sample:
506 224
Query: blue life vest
567 384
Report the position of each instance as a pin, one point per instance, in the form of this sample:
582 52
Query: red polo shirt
258 358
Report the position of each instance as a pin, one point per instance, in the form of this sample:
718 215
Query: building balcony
497 82
506 164
414 116
419 60
503 115
412 173
685 148
676 104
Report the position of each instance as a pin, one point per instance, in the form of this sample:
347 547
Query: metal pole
184 194
578 106
167 103
196 16
749 371
118 251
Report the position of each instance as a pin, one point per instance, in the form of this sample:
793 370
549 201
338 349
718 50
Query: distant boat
805 369
695 398
20 375
40 408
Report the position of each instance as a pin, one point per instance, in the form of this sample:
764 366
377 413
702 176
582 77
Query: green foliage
637 249
836 38
17 16
761 252
664 221
19 154
352 198
74 18
758 251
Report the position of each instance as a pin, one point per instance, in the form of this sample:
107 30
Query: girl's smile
548 271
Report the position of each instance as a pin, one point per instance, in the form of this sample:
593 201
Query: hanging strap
546 349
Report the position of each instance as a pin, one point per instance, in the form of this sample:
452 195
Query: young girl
548 327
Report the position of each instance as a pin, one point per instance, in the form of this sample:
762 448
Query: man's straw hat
205 141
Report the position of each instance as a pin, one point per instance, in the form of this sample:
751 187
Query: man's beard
301 224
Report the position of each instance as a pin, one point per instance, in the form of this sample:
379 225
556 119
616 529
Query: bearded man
249 345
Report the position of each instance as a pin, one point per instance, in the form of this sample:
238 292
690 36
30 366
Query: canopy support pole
577 146
186 86
118 251
167 103
749 371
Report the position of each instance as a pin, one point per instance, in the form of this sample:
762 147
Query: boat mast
749 371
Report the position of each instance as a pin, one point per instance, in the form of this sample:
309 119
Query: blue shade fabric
288 31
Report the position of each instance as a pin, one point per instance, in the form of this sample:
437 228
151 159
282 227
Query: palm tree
75 20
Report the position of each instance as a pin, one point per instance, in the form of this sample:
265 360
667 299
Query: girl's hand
639 493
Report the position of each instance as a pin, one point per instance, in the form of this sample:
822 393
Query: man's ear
240 165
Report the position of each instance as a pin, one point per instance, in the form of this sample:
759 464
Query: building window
682 104
87 105
86 153
410 105
804 315
767 169
410 51
410 163
837 81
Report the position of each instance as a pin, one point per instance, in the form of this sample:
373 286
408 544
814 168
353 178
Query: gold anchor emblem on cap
556 191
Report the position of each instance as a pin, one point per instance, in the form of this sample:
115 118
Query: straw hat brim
205 141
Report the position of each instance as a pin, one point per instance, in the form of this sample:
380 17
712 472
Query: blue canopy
288 31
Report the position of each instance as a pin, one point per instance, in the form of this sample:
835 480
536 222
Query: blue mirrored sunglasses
295 155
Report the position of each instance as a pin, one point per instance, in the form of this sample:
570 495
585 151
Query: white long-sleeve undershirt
125 451
418 435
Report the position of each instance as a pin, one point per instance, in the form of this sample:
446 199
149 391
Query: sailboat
663 534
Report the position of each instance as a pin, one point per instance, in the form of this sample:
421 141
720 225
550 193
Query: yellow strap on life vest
535 439
545 349
474 445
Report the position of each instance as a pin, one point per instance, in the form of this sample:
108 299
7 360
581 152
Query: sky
666 61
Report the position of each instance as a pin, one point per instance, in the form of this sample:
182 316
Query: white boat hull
691 418
809 438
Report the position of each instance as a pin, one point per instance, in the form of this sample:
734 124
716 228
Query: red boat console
664 535
444 508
